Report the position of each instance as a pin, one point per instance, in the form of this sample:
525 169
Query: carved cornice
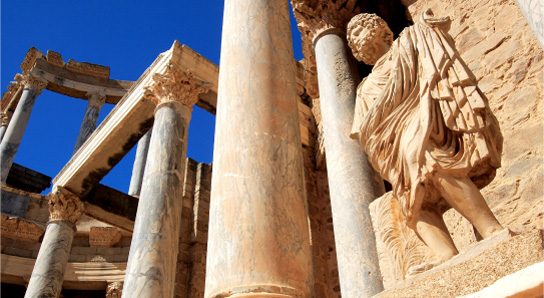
64 205
17 228
96 99
314 18
114 290
175 85
30 59
104 236
32 82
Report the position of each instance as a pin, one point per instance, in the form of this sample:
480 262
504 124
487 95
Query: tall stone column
258 231
353 183
95 101
65 210
151 266
14 134
139 165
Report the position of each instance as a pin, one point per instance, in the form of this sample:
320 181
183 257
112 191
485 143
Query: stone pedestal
151 266
352 181
48 274
21 116
258 232
95 100
139 165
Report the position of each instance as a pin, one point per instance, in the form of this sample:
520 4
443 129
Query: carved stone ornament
104 236
5 118
176 85
32 82
96 98
30 59
313 18
17 228
114 290
426 126
64 205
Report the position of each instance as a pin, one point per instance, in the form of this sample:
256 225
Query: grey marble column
48 274
151 266
95 101
6 117
139 165
16 129
352 181
258 231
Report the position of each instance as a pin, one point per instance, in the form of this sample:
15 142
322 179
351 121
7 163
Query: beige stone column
14 133
258 232
65 210
95 101
152 259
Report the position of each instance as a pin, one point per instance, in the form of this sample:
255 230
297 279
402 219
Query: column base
266 291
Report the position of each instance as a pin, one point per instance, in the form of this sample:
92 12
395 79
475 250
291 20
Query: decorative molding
89 69
104 236
64 205
30 59
14 227
314 18
54 58
32 82
114 290
175 85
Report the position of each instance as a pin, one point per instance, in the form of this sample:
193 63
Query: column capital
314 19
65 205
96 98
32 82
114 290
5 116
175 85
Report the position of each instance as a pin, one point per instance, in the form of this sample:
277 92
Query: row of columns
259 243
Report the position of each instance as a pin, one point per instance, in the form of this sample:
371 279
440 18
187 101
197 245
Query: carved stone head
369 37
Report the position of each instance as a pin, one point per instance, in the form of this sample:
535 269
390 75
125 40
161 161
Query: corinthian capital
177 85
114 290
96 98
65 205
31 82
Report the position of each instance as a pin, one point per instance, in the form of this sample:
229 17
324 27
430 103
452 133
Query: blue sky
127 36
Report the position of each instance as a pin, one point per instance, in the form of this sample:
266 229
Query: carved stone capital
96 99
176 85
6 116
32 82
314 19
114 290
65 205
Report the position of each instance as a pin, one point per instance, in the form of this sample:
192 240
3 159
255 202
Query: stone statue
426 126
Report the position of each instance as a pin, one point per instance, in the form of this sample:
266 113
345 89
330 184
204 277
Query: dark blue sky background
127 36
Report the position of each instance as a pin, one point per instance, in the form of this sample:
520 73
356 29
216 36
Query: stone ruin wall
496 42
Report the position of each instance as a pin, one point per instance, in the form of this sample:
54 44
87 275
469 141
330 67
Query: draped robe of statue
420 111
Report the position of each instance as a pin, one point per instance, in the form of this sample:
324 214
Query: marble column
152 259
14 133
352 181
533 11
258 230
65 210
139 165
95 101
6 117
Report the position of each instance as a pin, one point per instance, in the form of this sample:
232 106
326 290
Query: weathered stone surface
20 229
476 268
104 236
258 231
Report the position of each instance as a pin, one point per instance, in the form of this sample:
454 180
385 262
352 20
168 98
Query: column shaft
258 232
88 125
139 165
48 273
154 248
352 181
15 131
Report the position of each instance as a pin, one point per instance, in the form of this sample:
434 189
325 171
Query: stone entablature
14 227
104 236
